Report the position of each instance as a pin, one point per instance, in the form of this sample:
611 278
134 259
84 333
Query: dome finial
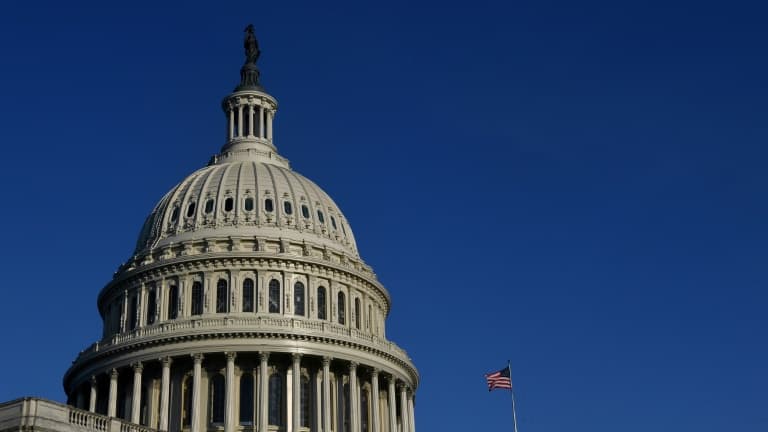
249 73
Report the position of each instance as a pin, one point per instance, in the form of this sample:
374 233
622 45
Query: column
326 394
136 403
240 120
296 391
196 383
229 400
165 392
375 400
264 394
92 400
250 120
261 121
392 405
231 131
410 413
112 409
270 117
403 408
354 398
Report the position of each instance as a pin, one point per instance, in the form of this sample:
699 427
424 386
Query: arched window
298 298
268 206
217 399
197 298
186 402
173 301
222 297
321 303
133 312
246 400
304 411
364 410
342 308
248 204
275 400
274 296
357 313
151 306
248 295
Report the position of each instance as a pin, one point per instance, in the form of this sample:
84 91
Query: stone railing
34 414
229 324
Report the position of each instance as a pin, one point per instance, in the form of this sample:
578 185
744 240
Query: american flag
499 379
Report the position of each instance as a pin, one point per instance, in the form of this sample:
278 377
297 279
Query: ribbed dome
247 197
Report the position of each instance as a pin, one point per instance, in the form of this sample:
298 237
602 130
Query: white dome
246 198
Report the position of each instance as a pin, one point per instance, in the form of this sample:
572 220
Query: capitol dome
245 305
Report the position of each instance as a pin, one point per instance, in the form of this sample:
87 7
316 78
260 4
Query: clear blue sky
579 187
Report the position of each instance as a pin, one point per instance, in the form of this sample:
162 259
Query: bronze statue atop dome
249 73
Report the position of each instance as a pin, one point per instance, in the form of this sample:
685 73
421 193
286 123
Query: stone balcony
33 414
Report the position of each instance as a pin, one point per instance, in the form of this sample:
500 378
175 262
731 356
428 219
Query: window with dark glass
320 217
175 214
275 400
208 206
229 204
173 302
268 206
321 303
369 317
197 298
186 402
248 204
217 399
364 410
288 207
298 298
333 222
305 211
248 295
357 313
304 410
222 297
133 312
151 306
343 229
274 296
342 308
246 400
191 209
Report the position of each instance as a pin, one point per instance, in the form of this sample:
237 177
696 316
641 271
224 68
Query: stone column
326 394
136 402
404 408
261 121
112 408
392 406
270 117
296 391
375 400
229 400
354 398
196 383
231 131
92 400
165 393
264 393
410 413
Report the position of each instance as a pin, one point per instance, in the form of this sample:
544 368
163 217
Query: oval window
268 205
288 207
209 206
191 209
320 216
249 204
229 203
175 214
305 211
333 222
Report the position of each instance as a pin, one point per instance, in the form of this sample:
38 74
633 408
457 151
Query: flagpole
512 392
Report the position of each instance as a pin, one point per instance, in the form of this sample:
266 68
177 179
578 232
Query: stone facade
245 307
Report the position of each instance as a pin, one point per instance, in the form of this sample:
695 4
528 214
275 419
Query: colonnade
321 394
249 120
